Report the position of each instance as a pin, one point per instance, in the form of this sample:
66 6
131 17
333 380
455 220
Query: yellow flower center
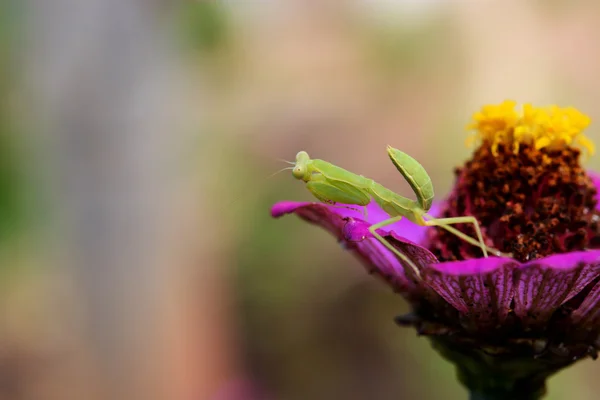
543 127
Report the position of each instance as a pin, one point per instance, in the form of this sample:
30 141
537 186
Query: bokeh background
138 259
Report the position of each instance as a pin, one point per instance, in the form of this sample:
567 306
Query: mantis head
300 170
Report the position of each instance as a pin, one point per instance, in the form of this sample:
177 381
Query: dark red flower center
531 203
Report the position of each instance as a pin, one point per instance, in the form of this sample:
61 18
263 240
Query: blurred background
138 259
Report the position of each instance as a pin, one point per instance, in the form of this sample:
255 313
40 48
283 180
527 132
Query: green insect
331 184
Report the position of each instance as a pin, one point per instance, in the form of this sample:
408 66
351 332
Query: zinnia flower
506 322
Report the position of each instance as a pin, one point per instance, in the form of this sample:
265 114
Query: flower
550 127
506 322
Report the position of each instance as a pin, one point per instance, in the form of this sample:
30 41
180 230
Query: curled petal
286 207
374 214
353 233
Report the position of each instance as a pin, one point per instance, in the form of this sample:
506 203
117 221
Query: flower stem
494 376
516 393
502 396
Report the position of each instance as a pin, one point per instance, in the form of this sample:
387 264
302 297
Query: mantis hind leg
391 248
444 222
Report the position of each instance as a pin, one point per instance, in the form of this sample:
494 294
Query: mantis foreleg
403 257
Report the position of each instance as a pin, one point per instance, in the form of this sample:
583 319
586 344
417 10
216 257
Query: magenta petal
420 256
286 207
377 259
356 230
544 285
587 316
480 289
353 233
413 232
473 266
596 180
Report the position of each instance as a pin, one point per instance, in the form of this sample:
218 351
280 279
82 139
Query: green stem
508 375
503 396
502 388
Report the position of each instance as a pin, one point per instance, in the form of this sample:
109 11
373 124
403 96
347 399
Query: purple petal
420 256
355 236
475 266
544 285
358 231
596 180
375 214
286 207
409 230
480 289
483 290
587 316
380 260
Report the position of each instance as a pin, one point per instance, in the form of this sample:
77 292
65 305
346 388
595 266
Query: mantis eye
299 172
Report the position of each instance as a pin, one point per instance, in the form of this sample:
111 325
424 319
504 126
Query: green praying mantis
332 185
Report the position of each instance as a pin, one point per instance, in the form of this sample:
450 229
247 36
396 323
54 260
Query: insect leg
391 248
474 242
467 238
444 222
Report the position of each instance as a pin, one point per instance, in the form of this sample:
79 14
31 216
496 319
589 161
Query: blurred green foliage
12 179
10 184
399 50
205 25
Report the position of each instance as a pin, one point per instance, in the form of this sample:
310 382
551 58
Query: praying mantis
332 184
